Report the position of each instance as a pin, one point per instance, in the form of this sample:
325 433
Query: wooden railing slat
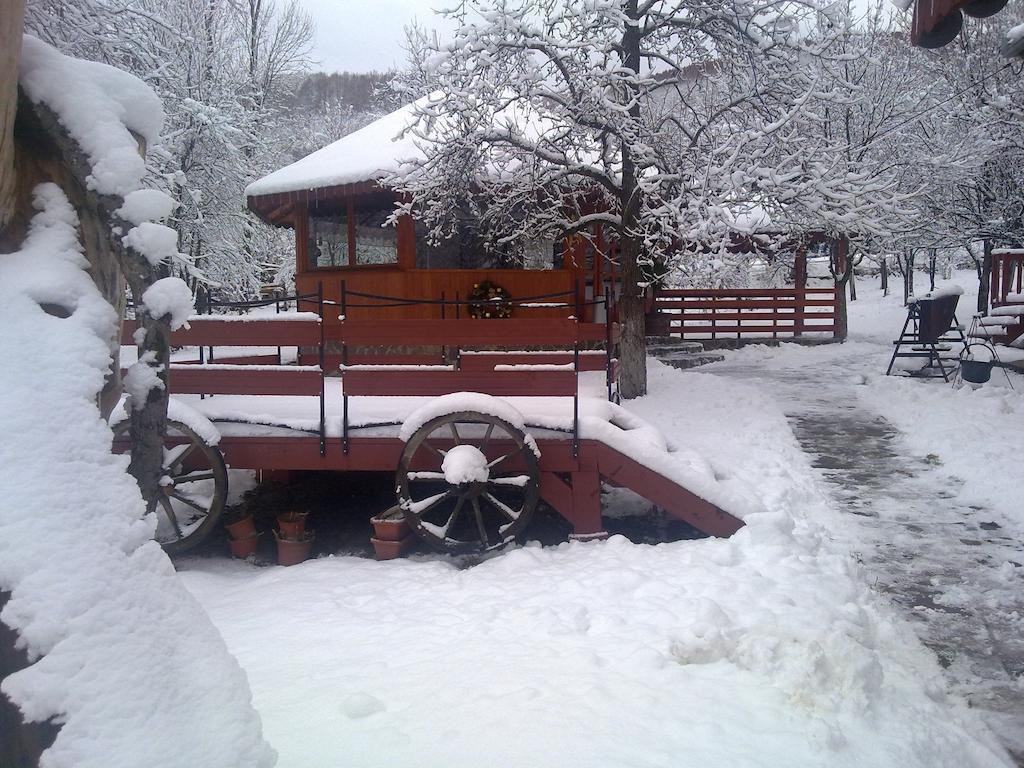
255 332
244 380
433 383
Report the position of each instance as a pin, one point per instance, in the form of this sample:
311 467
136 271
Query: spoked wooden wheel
195 488
468 481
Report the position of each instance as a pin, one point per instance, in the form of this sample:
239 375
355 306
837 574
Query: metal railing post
576 400
323 374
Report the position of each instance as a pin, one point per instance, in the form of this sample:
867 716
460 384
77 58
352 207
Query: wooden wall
404 280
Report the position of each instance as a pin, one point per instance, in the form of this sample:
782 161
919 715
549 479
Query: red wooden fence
1007 281
748 312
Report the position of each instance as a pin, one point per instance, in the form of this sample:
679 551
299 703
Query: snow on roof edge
374 151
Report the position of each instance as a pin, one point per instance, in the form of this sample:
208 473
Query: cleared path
947 565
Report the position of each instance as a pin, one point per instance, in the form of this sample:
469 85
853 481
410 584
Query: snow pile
146 205
99 106
123 656
764 649
158 243
464 464
170 296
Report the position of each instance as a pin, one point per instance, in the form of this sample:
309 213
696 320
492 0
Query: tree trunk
908 275
841 267
96 212
885 276
633 349
12 14
932 256
985 279
853 286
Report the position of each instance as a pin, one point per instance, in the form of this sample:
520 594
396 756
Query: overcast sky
361 35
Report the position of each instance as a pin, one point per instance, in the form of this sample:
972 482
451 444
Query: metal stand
958 379
926 336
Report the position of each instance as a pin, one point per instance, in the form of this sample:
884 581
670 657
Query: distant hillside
360 91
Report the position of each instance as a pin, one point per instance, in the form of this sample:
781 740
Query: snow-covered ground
769 648
925 479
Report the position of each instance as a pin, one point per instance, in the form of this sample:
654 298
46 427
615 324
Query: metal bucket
976 371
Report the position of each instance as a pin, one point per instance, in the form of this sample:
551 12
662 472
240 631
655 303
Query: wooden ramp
577 496
623 472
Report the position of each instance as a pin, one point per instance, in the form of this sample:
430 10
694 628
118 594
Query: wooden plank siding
431 285
747 312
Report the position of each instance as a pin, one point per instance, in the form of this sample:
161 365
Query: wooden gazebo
338 205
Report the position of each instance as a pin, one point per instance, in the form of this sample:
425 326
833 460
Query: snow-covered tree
663 122
225 71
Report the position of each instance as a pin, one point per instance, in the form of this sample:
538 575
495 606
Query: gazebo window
328 240
339 238
376 243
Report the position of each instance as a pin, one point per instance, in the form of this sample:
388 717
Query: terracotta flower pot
244 547
242 529
389 550
390 525
292 525
292 552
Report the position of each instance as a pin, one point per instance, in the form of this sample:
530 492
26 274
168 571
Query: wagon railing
747 312
498 357
249 374
509 357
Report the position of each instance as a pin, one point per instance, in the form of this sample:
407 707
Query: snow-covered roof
371 152
388 145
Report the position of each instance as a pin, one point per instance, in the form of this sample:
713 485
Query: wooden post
586 502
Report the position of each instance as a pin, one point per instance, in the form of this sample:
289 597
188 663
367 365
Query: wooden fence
1007 276
747 312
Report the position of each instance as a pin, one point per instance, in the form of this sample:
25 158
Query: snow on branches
665 123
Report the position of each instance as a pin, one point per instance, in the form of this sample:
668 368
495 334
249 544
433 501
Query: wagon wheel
195 488
468 481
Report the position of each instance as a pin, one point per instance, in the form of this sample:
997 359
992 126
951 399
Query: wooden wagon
487 419
484 380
